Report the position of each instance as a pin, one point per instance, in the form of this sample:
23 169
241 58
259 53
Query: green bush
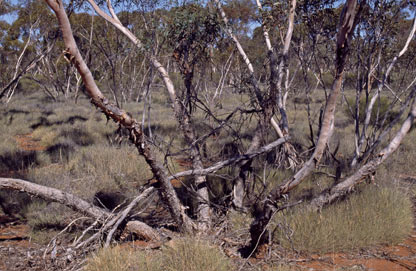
373 216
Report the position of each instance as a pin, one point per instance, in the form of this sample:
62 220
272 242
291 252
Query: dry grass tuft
193 255
122 259
375 216
181 255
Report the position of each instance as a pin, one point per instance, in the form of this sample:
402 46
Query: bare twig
146 193
231 161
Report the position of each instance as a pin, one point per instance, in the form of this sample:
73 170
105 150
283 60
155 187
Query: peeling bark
120 116
368 168
348 20
181 114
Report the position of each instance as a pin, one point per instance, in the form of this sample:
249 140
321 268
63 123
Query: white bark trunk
344 187
373 100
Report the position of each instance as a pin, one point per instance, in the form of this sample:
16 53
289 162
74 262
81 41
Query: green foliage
372 217
190 31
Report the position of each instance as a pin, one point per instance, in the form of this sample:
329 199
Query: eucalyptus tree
298 39
376 58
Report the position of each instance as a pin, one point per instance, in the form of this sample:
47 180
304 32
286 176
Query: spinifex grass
180 255
374 216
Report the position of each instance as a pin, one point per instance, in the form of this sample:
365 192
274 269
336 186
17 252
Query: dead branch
27 68
56 195
368 168
380 87
181 113
147 231
348 20
118 115
217 166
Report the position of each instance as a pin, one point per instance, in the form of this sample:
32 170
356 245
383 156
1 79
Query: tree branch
56 195
120 116
217 166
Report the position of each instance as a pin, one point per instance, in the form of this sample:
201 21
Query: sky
9 17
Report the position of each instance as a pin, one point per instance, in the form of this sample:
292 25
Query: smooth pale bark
277 72
241 51
120 116
345 186
373 100
56 195
282 67
387 131
346 27
181 114
347 24
217 166
267 103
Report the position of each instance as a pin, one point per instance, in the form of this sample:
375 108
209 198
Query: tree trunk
204 212
120 116
348 20
369 168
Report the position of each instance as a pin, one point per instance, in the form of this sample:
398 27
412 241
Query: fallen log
56 195
84 207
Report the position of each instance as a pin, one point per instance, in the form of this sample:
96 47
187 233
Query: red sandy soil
27 143
401 257
16 250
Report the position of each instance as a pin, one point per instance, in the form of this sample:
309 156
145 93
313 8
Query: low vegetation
87 161
187 254
372 216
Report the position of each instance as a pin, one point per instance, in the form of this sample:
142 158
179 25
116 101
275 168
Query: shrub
95 168
239 224
374 216
41 215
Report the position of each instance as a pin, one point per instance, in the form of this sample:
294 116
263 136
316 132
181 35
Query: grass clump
193 255
40 215
373 217
122 259
181 255
94 168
